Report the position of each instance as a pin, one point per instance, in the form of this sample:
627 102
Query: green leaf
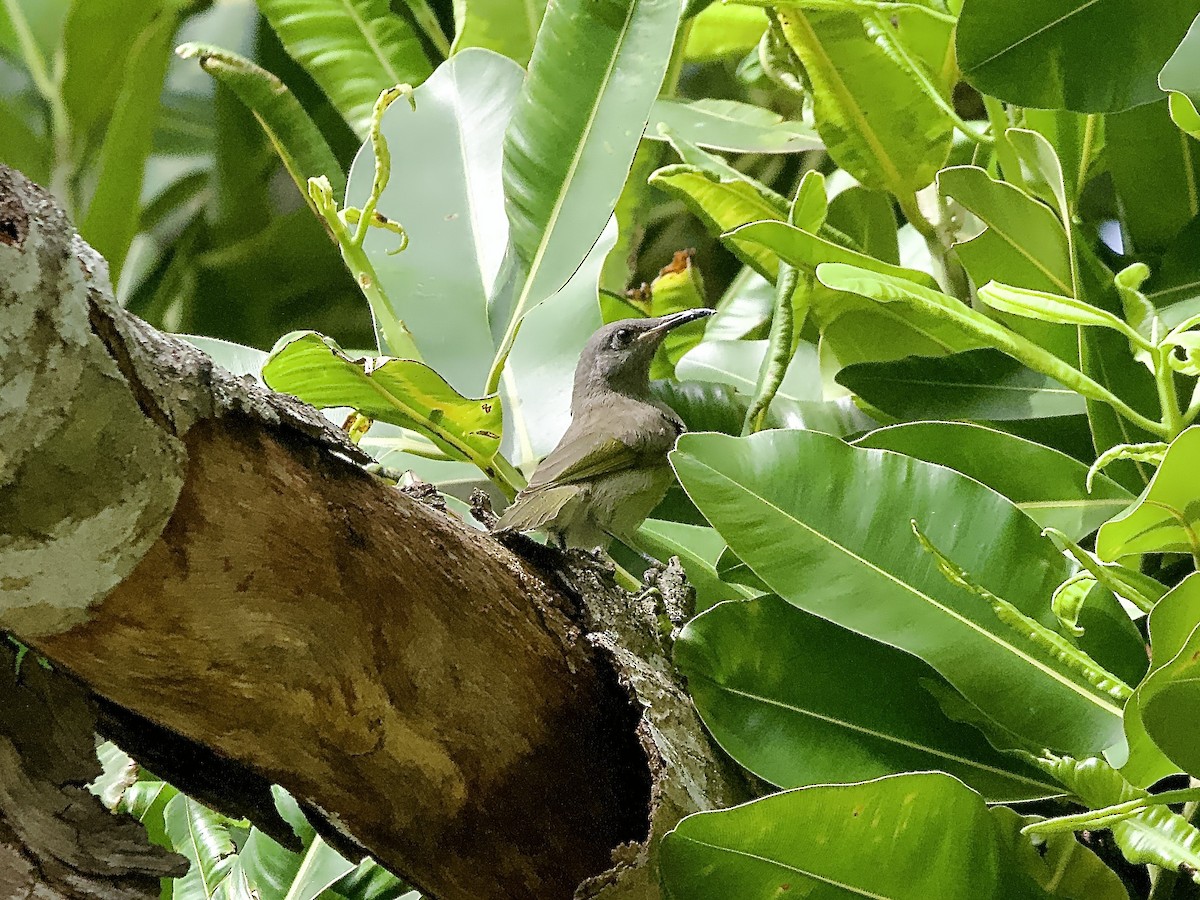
724 29
723 204
95 53
698 549
1168 702
1053 308
875 117
1048 486
1023 242
292 133
1170 625
806 250
203 837
1180 76
976 384
1154 169
1164 519
353 49
730 126
836 723
370 881
888 289
855 330
1060 865
844 515
114 212
398 391
598 65
1007 51
904 837
867 218
450 202
275 872
1156 836
507 27
447 195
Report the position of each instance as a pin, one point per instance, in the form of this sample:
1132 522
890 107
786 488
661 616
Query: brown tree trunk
212 560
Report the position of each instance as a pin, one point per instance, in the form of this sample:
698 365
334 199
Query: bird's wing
532 511
581 457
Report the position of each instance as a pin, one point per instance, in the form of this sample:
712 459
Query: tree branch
212 558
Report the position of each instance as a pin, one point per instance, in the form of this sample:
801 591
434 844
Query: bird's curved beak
666 323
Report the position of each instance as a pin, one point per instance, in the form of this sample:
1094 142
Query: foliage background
939 504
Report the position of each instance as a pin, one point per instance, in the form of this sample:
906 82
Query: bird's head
618 356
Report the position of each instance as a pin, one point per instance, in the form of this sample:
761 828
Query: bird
610 469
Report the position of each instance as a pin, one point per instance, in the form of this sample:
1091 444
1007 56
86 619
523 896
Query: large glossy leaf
1164 518
1007 50
352 48
806 251
800 701
855 330
731 126
1181 76
1168 702
977 384
508 27
1049 486
295 137
446 192
95 46
844 514
203 837
595 73
905 837
276 872
877 120
398 391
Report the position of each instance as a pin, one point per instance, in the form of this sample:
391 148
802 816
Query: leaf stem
954 277
1010 166
395 338
1168 399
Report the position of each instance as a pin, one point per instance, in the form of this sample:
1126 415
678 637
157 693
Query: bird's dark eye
621 339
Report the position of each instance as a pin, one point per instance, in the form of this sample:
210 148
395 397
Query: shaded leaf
871 110
904 837
976 384
353 49
1048 486
835 722
844 515
1007 51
